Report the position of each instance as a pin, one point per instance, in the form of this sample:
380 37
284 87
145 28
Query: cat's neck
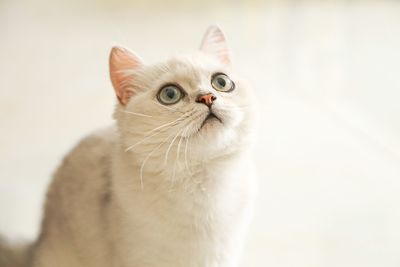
195 174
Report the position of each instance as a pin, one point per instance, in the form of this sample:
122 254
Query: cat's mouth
210 117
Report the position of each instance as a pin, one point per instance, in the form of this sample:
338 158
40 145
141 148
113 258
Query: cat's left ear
122 62
214 43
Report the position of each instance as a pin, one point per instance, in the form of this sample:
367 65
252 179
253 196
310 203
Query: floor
327 77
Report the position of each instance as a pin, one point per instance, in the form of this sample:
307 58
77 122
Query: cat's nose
206 99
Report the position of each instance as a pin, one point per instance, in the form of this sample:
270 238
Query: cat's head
190 107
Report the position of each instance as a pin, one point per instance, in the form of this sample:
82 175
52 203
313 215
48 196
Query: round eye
221 82
169 95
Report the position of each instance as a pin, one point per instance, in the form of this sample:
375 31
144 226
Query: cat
172 183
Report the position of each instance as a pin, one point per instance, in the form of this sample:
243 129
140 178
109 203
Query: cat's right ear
122 62
214 43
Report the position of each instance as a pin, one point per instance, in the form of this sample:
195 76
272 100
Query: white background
327 74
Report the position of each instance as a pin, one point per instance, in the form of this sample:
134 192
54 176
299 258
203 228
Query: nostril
206 99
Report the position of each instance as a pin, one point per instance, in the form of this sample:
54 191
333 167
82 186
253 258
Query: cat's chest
182 229
204 202
186 222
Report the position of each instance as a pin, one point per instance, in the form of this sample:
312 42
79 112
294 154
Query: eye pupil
170 93
221 82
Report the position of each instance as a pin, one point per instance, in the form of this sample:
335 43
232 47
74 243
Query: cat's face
189 107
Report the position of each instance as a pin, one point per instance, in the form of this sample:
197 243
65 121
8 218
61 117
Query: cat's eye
169 95
221 82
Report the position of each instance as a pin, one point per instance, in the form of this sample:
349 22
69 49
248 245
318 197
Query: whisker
183 133
147 158
184 130
186 159
137 114
170 146
155 129
180 141
142 140
174 171
174 110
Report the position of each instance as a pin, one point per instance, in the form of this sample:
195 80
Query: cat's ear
122 62
214 43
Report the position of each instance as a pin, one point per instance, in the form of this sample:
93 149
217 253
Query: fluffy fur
159 188
13 254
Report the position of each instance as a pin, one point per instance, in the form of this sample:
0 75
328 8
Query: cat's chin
211 121
215 135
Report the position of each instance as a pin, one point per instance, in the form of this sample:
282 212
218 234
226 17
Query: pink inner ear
121 62
214 43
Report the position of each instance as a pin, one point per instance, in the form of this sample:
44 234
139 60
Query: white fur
118 200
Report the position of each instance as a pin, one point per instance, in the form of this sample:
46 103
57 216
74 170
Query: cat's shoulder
98 144
106 136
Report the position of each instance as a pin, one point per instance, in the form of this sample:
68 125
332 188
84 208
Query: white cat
172 184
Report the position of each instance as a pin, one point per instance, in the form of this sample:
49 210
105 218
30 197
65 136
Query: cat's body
186 224
172 184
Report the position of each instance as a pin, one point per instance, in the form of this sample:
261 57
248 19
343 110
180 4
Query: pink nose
206 99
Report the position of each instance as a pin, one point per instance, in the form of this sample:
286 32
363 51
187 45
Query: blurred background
327 74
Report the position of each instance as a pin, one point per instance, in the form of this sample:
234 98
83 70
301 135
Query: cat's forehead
193 63
191 69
